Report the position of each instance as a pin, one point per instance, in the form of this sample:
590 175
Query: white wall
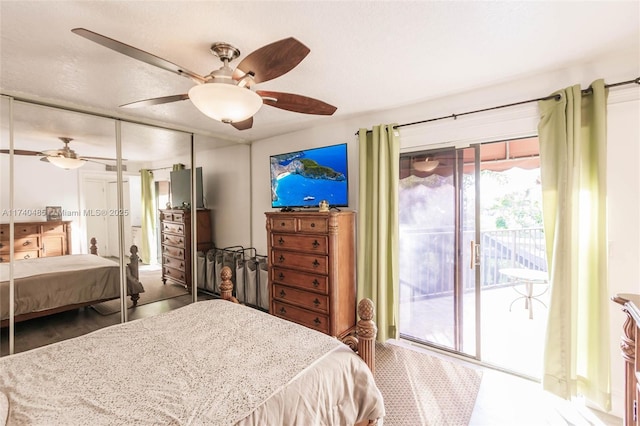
39 184
226 176
623 160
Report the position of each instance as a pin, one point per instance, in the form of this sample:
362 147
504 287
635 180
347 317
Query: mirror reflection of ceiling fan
226 94
65 157
426 165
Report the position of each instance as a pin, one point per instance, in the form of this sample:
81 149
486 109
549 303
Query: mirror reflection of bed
94 199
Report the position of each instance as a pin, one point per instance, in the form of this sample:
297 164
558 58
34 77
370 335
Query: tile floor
508 400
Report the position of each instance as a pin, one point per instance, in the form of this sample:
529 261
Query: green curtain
572 133
378 276
148 222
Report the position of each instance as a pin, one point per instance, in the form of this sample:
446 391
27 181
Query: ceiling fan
65 157
426 165
226 94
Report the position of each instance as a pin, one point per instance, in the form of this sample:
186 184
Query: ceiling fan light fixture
227 103
426 165
66 163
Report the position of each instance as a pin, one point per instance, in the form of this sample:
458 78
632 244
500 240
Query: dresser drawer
307 243
174 274
318 283
173 251
283 224
53 228
304 299
178 217
301 316
174 228
20 230
173 240
166 216
300 261
318 225
25 230
4 257
174 263
20 244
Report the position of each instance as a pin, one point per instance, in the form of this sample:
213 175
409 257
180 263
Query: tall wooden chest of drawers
176 243
312 269
36 239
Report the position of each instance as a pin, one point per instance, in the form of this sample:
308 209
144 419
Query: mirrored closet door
55 266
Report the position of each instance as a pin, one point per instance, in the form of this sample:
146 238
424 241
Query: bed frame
132 268
362 342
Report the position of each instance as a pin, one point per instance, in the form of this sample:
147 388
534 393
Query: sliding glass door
473 272
438 234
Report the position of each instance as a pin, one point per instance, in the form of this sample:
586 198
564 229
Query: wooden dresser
312 269
630 346
176 243
36 239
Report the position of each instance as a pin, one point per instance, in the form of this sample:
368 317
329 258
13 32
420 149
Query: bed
48 285
211 362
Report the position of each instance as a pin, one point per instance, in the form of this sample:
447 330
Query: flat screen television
301 179
181 188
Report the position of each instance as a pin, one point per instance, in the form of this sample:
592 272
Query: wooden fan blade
272 60
243 125
21 152
138 54
296 103
156 101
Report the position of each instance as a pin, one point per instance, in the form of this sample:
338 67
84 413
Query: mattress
50 282
211 362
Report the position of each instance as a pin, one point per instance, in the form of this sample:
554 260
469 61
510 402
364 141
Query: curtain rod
157 168
586 91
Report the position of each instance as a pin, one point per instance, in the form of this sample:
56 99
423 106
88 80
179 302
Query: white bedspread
50 282
208 363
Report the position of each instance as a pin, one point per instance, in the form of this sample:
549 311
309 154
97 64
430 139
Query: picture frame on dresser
53 213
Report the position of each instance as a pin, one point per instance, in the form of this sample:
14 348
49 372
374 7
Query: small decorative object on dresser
176 243
54 213
312 269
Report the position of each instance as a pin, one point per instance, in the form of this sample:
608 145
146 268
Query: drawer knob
317 321
316 302
281 241
27 256
281 276
180 229
26 243
313 225
281 258
283 311
283 294
315 244
282 224
315 283
316 263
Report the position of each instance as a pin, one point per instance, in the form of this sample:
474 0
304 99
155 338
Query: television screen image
306 177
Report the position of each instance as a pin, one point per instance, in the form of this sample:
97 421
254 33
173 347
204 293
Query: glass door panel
437 225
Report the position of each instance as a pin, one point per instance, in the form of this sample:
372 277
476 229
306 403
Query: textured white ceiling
365 56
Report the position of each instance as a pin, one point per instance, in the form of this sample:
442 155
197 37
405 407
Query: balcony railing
427 259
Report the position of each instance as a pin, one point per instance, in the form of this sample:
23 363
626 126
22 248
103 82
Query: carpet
154 291
420 389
